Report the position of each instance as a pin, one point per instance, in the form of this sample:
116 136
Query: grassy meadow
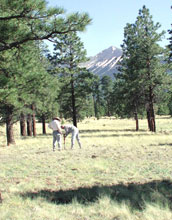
119 174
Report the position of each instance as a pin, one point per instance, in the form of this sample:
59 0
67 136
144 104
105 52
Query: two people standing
56 126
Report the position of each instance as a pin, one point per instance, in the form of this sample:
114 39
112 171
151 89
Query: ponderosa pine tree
129 84
76 81
142 68
151 54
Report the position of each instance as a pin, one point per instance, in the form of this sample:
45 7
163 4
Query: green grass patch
118 174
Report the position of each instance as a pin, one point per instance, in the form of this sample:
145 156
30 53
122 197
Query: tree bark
22 125
29 125
151 110
148 119
152 117
73 103
33 120
95 107
137 121
9 127
43 125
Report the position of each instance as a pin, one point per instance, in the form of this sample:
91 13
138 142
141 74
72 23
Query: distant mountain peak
113 48
105 62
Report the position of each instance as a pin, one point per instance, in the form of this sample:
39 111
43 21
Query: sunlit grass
118 174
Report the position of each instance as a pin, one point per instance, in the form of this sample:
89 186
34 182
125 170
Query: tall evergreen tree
130 84
69 53
154 70
142 69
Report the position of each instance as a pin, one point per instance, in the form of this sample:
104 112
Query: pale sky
109 17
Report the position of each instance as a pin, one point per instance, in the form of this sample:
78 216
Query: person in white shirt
75 134
55 125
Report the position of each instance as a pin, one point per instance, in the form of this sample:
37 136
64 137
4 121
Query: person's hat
57 118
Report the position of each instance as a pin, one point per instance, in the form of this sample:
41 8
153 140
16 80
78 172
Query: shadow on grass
111 130
162 144
94 132
114 135
167 144
135 195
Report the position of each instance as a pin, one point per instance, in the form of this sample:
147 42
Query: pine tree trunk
150 99
73 103
151 110
22 125
9 127
29 125
137 121
95 107
148 119
152 118
33 120
43 125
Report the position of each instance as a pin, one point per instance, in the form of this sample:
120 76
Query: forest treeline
36 84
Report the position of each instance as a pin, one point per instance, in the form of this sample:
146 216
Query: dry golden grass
118 174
